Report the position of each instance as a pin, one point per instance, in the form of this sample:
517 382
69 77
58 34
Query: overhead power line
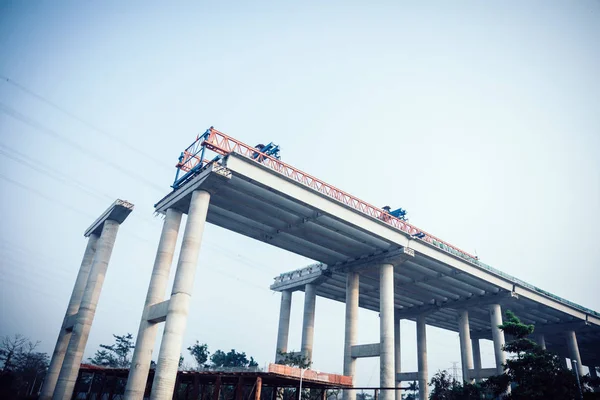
37 192
80 120
132 234
44 129
49 171
57 175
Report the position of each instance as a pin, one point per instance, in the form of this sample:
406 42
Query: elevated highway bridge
366 257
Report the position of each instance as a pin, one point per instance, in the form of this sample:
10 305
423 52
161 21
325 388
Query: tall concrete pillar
179 303
476 357
574 350
308 320
87 310
422 357
351 334
397 357
65 335
540 340
497 337
386 331
146 337
466 354
284 323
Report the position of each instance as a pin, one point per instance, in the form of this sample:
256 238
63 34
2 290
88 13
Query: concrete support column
64 336
351 334
397 357
476 356
498 337
422 357
146 337
284 323
87 310
308 321
386 331
179 303
466 354
574 351
540 340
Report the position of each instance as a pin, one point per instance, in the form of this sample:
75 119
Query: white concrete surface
497 337
308 321
422 357
574 351
87 310
351 329
73 307
397 357
541 340
170 347
387 377
146 337
466 354
283 330
476 356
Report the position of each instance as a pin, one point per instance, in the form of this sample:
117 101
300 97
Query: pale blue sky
480 118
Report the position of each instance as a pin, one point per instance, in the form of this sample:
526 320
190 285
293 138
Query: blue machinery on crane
399 213
192 161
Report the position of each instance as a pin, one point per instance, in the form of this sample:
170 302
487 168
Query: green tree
414 388
115 355
232 359
31 369
363 396
23 368
533 372
200 353
293 359
444 387
9 348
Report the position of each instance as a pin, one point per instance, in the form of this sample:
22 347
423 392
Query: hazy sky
482 119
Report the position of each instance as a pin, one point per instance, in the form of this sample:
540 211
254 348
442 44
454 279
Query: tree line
23 367
531 372
118 355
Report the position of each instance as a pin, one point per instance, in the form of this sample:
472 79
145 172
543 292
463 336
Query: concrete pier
308 321
422 357
497 337
541 340
146 337
397 356
64 335
574 351
386 331
351 333
178 306
466 353
284 323
476 357
87 310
